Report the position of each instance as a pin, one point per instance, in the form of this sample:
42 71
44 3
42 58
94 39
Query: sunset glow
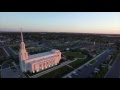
81 22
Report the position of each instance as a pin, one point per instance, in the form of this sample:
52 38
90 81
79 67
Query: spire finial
21 35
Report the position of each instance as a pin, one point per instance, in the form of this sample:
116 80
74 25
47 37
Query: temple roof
43 54
40 54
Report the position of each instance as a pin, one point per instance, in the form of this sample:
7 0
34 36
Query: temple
37 62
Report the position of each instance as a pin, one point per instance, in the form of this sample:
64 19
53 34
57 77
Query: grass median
71 55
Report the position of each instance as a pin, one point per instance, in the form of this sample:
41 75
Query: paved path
70 66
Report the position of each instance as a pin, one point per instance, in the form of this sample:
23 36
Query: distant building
37 62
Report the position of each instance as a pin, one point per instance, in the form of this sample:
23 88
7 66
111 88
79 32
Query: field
58 73
77 63
72 55
93 61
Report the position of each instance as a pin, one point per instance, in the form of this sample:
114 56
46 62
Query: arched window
44 64
33 69
40 66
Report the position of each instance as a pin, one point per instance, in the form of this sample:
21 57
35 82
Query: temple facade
37 62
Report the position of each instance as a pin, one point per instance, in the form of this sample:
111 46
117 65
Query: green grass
114 57
112 61
77 63
93 61
58 73
102 72
73 55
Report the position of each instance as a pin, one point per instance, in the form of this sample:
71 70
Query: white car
96 69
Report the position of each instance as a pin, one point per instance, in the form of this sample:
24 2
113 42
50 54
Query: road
87 70
6 52
114 72
84 65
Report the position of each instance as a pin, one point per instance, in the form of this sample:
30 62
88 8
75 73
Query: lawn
101 73
114 57
78 63
93 61
74 54
58 73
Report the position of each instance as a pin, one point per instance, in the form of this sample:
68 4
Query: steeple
21 35
23 54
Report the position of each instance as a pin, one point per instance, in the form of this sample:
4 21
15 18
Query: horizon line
57 32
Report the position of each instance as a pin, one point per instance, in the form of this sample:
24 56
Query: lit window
37 70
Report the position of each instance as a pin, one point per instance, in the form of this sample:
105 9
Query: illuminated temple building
37 62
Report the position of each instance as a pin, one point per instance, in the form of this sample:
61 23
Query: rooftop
40 54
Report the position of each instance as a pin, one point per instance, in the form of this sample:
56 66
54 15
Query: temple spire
21 35
23 53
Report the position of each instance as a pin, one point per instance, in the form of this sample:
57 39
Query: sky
80 22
